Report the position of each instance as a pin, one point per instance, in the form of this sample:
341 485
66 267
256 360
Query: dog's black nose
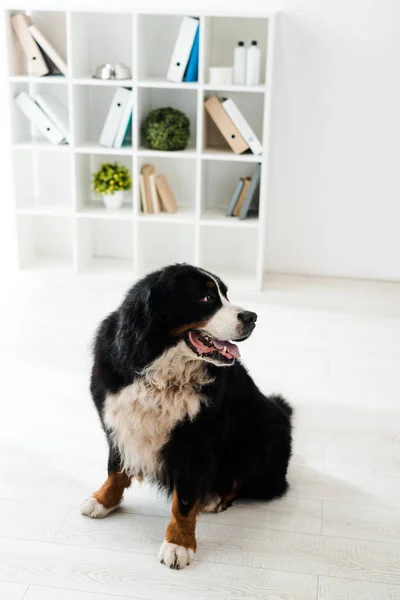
247 317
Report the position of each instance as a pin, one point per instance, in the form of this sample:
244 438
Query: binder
182 50
124 122
36 63
192 69
230 132
56 111
242 196
154 195
167 197
238 119
235 198
148 170
48 49
114 116
38 118
251 194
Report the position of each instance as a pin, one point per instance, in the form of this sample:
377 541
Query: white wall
334 205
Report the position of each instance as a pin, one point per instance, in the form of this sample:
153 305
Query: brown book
243 194
167 197
143 196
224 123
36 63
146 171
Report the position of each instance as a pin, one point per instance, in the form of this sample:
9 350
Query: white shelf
66 225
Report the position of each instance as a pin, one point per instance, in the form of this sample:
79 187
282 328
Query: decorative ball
167 129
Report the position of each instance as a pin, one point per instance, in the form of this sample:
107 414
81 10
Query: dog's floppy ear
137 324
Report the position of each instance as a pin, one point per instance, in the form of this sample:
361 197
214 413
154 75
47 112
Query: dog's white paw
174 556
92 508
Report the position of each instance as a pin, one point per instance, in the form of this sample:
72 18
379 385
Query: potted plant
111 181
167 129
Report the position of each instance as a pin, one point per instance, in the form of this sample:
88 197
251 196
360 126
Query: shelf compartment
219 181
157 35
222 36
181 180
45 241
53 26
87 200
185 100
162 244
99 38
23 132
105 245
229 253
43 182
252 108
91 106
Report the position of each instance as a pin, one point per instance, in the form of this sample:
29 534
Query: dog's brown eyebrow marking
210 283
188 326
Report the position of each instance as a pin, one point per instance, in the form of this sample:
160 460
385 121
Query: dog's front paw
92 508
174 556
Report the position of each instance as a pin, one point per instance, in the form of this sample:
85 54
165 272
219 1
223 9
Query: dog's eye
207 298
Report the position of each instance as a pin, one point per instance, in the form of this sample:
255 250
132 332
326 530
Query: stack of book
116 130
245 198
184 63
155 192
42 57
47 114
232 125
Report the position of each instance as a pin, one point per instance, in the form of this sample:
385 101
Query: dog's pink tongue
232 348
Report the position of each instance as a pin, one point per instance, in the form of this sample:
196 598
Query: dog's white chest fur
142 415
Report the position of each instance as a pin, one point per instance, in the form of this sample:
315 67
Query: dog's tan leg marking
178 548
108 497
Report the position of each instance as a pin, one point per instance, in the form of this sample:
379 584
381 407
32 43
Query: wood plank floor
332 347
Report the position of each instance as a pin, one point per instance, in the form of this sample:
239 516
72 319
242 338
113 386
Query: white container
239 64
220 75
114 201
253 64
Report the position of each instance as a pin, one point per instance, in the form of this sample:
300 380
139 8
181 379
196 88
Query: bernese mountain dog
178 407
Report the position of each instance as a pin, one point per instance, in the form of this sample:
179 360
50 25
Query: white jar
239 64
253 64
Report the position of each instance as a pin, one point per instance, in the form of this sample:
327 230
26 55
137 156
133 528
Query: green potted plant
167 129
111 181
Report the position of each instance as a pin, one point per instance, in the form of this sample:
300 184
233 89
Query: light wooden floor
332 347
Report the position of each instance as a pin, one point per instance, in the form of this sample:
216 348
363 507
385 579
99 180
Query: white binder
240 122
36 62
54 109
124 122
48 49
114 116
38 118
183 47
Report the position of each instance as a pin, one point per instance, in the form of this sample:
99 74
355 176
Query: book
182 49
124 123
114 116
48 49
242 196
146 171
167 197
153 194
36 63
235 198
143 195
224 123
55 110
38 118
192 69
252 193
246 131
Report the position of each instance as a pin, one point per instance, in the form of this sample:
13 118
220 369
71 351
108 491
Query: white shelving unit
60 222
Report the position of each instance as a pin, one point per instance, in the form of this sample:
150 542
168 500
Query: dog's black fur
240 439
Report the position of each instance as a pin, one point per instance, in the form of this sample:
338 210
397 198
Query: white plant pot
114 201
